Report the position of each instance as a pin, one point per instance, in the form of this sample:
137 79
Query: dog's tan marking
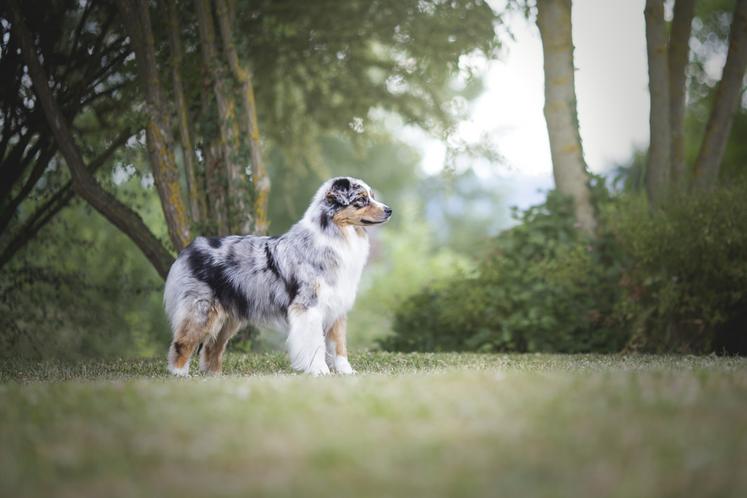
338 333
211 356
352 215
190 333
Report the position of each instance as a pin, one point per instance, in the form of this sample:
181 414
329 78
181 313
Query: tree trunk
84 183
726 102
239 215
658 165
249 123
197 207
569 167
136 17
679 39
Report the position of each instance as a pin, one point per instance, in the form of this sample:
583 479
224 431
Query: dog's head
349 201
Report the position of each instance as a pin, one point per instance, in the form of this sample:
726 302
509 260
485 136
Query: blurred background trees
173 118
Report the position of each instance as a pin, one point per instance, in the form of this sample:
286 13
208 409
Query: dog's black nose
388 211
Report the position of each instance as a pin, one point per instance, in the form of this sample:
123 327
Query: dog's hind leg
306 340
211 356
337 349
203 320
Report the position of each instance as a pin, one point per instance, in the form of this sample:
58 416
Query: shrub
543 287
674 280
686 286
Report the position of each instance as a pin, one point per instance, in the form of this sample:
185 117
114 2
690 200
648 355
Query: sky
611 90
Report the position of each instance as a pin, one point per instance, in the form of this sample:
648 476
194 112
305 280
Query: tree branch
84 183
44 213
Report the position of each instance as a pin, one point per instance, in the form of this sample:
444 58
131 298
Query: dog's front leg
337 349
306 340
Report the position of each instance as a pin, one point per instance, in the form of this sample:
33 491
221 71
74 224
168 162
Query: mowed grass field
407 425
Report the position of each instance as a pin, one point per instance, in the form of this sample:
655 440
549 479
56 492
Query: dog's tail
173 293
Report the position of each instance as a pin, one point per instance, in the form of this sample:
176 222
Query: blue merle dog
303 281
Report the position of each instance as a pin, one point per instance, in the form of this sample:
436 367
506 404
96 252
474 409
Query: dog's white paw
180 372
317 367
342 366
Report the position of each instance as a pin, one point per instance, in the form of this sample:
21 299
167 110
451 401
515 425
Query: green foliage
81 289
686 286
543 287
674 280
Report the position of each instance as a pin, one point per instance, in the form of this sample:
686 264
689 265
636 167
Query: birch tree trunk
83 181
728 94
136 17
658 165
679 39
249 124
569 167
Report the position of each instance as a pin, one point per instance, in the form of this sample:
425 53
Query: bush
686 285
670 281
544 287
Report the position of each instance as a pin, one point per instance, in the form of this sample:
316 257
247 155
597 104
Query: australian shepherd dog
303 281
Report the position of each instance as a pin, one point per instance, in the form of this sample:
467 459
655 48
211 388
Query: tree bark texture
197 207
728 94
679 49
240 218
249 124
569 167
658 165
136 17
84 183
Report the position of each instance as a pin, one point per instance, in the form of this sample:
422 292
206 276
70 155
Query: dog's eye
360 202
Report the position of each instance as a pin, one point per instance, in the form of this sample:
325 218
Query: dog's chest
338 294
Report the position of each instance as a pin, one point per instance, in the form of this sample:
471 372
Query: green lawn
407 425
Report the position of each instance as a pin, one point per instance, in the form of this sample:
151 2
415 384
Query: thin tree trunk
136 17
249 123
197 207
215 184
239 216
569 167
659 162
728 94
679 39
84 183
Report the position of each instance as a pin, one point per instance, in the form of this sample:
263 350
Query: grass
407 425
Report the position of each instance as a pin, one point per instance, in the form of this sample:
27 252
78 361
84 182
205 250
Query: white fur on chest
337 295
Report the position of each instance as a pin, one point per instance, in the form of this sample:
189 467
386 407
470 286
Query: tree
658 165
569 167
728 94
136 18
677 55
667 170
89 84
83 181
316 70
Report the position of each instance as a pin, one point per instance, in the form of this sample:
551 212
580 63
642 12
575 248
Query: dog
303 281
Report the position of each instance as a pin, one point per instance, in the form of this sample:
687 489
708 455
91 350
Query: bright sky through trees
611 86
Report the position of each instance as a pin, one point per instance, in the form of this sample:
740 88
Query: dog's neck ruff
351 246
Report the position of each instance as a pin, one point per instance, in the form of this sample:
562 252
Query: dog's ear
339 192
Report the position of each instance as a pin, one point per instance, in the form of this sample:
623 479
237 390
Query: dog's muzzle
387 215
